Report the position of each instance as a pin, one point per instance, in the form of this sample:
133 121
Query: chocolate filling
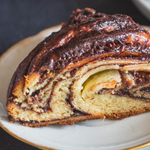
145 90
104 91
141 77
35 93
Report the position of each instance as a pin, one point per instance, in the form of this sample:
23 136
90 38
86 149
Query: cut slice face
112 93
96 66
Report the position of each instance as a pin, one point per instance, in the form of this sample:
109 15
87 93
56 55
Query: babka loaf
96 66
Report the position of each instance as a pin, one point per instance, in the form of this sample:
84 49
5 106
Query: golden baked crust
96 66
72 120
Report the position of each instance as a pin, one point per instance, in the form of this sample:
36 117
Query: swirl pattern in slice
96 66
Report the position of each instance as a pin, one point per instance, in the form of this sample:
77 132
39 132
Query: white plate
88 135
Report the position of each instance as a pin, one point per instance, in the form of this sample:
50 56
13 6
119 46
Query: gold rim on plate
40 146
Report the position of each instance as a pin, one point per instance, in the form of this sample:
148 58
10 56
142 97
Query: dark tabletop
23 18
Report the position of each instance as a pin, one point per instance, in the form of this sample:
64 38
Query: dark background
23 18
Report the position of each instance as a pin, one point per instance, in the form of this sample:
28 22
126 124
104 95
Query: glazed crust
88 41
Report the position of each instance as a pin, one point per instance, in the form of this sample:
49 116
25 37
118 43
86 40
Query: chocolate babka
96 66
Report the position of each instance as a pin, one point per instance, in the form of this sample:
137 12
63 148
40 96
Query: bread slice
96 66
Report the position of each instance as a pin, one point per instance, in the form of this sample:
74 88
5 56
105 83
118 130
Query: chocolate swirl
87 38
